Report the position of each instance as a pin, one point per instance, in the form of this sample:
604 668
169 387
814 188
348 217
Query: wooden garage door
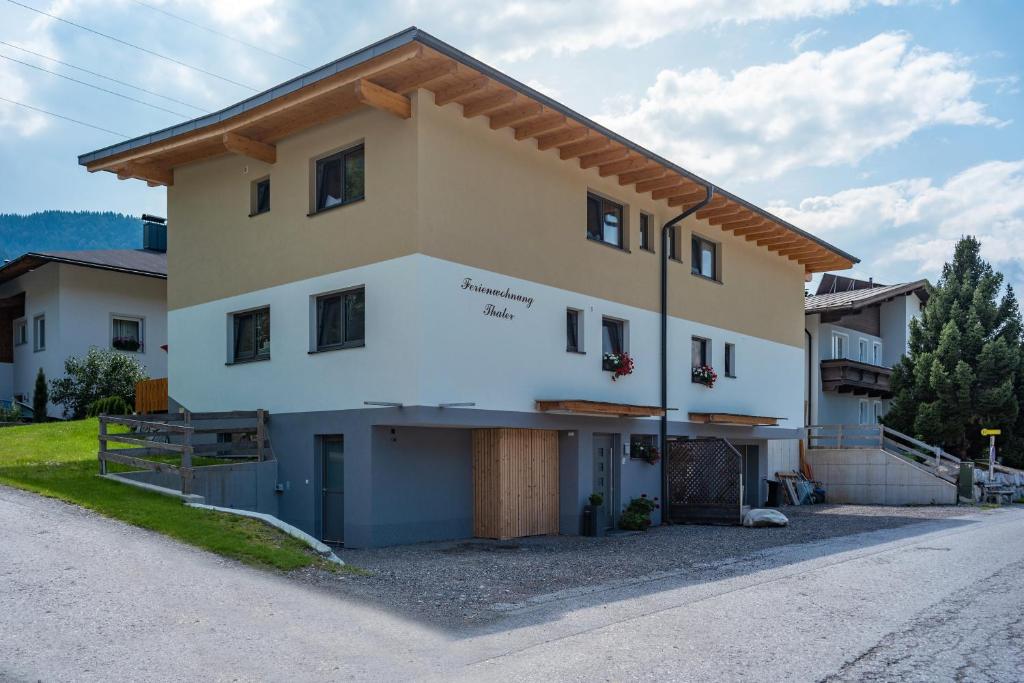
515 482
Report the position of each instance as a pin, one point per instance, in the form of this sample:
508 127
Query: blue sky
887 127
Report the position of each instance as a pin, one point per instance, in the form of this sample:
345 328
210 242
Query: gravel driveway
469 582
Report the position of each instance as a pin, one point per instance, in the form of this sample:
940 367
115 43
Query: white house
58 304
856 331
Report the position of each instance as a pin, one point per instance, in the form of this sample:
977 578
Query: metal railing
879 436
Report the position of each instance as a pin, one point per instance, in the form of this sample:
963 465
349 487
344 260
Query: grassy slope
58 459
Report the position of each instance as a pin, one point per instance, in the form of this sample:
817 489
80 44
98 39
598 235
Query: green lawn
58 459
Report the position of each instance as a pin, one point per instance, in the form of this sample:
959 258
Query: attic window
340 179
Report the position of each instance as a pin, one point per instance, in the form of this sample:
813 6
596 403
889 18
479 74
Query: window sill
114 348
338 347
578 353
336 206
706 278
246 361
729 376
259 213
649 251
607 244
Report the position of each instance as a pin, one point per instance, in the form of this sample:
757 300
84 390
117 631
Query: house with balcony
468 307
57 304
856 331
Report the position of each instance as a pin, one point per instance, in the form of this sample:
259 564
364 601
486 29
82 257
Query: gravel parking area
459 583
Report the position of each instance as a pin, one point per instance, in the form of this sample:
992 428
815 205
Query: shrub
596 499
637 515
40 397
10 413
102 373
111 405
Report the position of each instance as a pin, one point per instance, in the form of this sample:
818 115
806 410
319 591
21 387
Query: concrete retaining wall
876 477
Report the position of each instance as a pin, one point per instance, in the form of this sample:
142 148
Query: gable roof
143 262
381 74
856 299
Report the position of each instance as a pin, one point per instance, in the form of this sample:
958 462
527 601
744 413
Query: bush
637 515
596 499
10 414
102 373
40 397
111 405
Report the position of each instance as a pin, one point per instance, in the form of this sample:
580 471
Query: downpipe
663 435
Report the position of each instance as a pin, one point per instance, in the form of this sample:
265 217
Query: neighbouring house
446 289
856 331
57 304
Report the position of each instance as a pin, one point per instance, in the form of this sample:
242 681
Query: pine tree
965 365
40 397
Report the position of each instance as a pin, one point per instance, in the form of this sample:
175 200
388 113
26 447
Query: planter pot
593 520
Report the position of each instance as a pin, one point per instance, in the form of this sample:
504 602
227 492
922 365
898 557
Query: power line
219 33
133 45
99 75
110 92
60 116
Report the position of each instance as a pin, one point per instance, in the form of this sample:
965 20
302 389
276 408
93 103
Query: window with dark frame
704 258
673 243
341 320
612 339
340 178
730 360
573 336
643 446
261 196
700 352
645 232
251 335
604 220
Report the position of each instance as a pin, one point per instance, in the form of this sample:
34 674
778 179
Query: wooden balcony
846 376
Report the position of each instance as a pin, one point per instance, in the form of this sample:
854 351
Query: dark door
332 455
751 476
603 463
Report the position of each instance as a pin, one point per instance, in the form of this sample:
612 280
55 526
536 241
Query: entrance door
604 460
332 455
751 476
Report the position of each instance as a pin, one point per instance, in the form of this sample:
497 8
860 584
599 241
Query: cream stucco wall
450 187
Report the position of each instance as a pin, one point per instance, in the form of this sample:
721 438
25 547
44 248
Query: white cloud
512 30
816 110
804 37
908 228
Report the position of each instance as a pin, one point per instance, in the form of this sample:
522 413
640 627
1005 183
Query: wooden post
261 433
103 444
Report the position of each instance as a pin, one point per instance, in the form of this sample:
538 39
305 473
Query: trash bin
774 493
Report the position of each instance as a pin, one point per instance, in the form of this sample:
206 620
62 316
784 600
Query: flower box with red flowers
619 364
705 374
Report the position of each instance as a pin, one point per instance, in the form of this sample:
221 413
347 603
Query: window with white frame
839 345
863 416
39 333
862 350
20 333
126 333
876 353
876 417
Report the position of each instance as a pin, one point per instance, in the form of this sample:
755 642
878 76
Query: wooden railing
174 434
151 396
882 437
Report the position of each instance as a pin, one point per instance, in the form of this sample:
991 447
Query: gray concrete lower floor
85 598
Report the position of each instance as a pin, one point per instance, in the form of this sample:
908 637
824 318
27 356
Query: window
339 179
877 416
341 320
604 220
730 360
862 416
838 345
39 332
260 197
20 333
612 339
643 446
704 258
673 243
700 352
251 336
126 333
876 353
645 232
862 350
573 330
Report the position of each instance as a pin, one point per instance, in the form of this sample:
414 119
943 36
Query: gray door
332 455
603 463
751 476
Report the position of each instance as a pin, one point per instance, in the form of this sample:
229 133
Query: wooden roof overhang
383 74
598 408
735 419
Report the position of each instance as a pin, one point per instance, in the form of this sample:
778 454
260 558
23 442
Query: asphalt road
88 599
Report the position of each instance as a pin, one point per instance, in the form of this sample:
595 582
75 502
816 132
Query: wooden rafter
641 175
575 149
147 172
247 147
424 76
778 241
518 113
688 198
598 158
560 138
541 124
756 232
622 166
801 250
749 222
658 183
681 187
379 97
488 103
453 93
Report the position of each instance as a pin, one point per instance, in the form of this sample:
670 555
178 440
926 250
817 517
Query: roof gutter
663 435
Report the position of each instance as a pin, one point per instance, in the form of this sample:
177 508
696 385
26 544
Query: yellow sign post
991 434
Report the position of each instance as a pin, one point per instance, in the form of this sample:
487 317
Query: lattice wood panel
704 481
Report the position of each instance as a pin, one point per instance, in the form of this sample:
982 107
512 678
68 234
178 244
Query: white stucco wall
428 341
78 304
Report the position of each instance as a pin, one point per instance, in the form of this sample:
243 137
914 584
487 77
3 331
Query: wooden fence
174 434
151 396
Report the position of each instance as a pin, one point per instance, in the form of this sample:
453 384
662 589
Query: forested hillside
59 230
